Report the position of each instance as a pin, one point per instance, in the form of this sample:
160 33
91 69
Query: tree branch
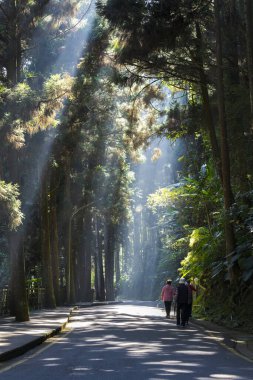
61 34
3 11
52 100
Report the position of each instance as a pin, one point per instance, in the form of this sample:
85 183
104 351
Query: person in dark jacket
182 302
191 288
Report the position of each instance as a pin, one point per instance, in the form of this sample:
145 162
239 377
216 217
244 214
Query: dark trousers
181 313
167 305
188 312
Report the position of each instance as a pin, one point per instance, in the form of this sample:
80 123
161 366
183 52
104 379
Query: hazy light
157 171
74 49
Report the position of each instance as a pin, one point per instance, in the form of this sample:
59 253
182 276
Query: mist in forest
75 38
159 169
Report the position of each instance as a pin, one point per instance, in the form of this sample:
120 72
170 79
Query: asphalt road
128 341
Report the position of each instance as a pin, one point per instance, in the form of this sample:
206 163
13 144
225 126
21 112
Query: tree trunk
227 190
126 257
13 60
232 44
99 270
73 277
238 139
18 297
80 258
207 112
117 263
88 239
55 254
46 250
68 229
137 259
83 275
18 280
109 261
249 40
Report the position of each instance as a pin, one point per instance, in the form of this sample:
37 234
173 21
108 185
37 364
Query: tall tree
25 108
225 159
46 248
249 40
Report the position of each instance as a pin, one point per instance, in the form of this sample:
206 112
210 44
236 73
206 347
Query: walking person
182 302
167 296
191 288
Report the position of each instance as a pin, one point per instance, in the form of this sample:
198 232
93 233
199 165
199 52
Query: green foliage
170 29
188 213
33 37
19 101
149 19
193 201
204 253
55 91
33 282
26 111
243 210
10 205
165 87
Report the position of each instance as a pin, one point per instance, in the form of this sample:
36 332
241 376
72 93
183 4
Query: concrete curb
240 345
244 348
28 346
22 349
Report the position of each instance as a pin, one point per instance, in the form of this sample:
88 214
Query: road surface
126 342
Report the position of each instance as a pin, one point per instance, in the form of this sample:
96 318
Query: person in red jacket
167 296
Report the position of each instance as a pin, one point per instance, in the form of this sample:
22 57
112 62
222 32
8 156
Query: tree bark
117 264
73 277
232 43
46 250
225 159
13 60
68 228
137 259
249 40
207 112
99 269
87 257
18 296
55 254
18 280
109 261
80 258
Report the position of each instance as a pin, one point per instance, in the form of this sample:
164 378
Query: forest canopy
126 153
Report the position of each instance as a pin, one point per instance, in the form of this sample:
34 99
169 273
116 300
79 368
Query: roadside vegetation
88 90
